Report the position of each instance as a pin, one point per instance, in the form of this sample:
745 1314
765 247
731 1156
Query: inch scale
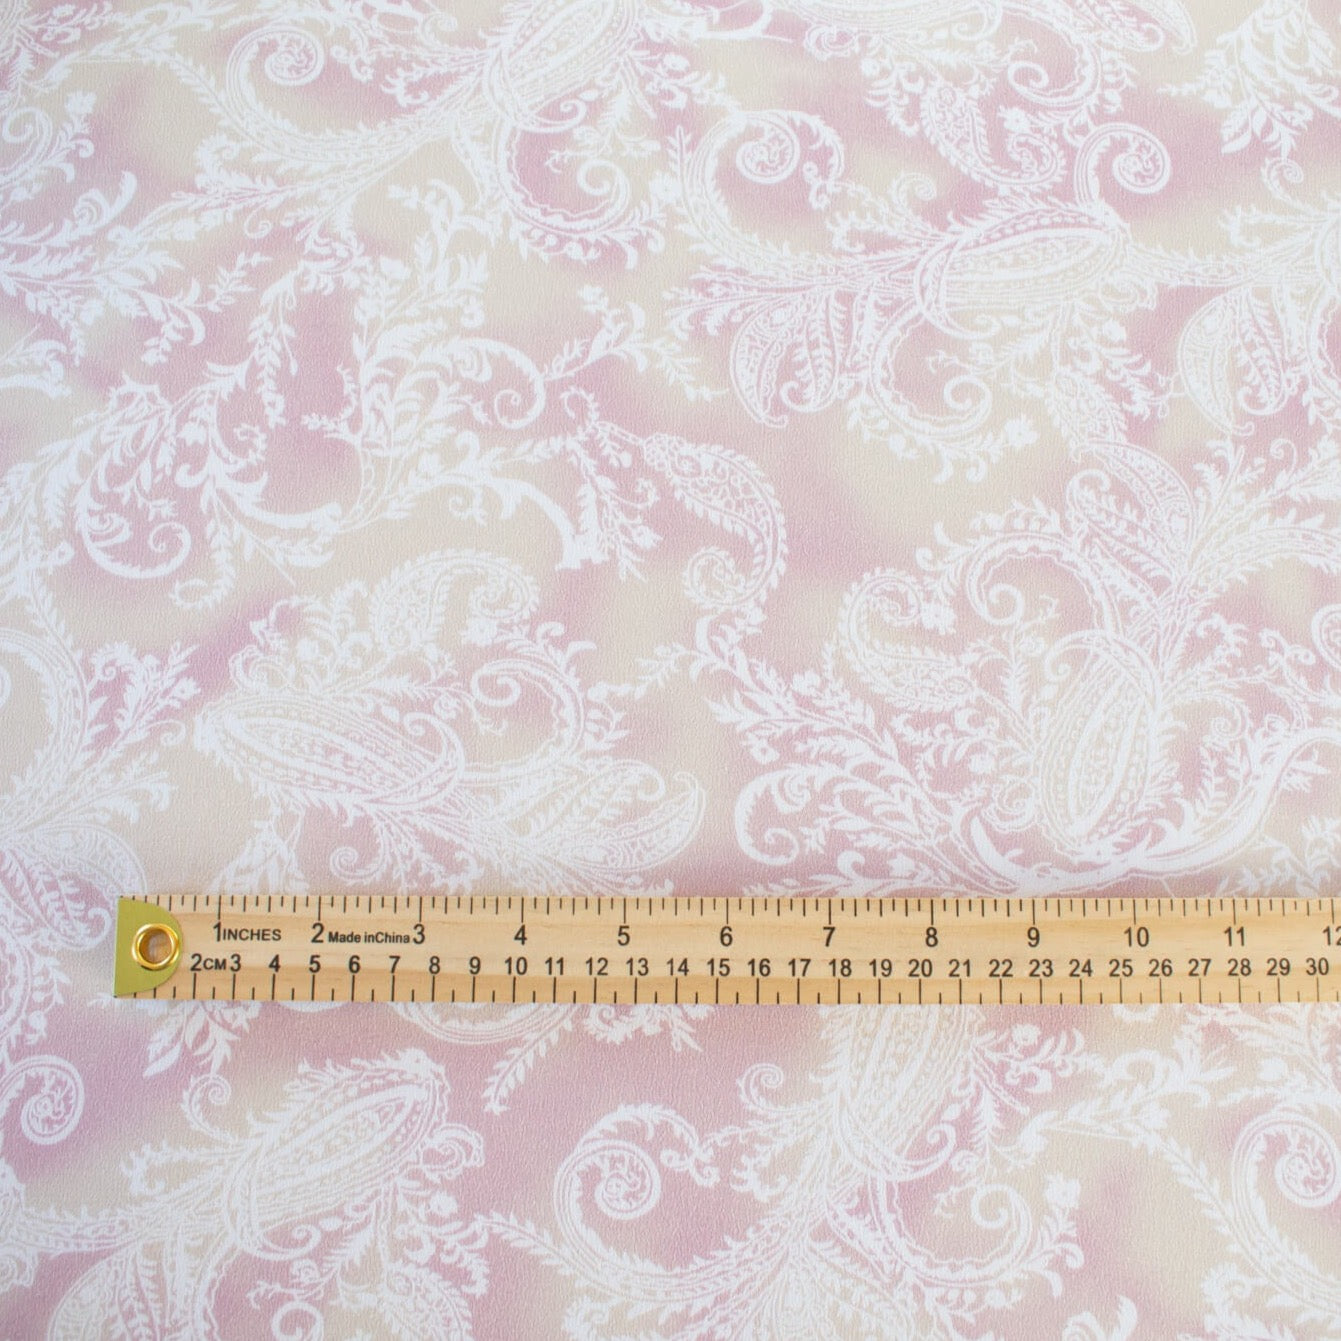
1054 950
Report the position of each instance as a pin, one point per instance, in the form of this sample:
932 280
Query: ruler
728 950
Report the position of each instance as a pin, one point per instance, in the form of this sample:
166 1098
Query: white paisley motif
368 710
333 1202
843 1178
1041 757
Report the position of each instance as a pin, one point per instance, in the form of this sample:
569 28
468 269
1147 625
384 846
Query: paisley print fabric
829 446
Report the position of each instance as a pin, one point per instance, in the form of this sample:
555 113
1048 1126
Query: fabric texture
833 446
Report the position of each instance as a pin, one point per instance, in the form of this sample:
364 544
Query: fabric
840 446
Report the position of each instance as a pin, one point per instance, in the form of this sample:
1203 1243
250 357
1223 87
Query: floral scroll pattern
817 446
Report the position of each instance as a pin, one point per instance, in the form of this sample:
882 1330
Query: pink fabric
880 447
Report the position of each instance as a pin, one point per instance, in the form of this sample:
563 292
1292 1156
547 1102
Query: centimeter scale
728 951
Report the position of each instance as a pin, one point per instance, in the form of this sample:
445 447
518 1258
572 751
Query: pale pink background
885 447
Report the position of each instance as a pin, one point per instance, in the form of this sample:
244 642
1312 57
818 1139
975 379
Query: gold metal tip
148 947
155 946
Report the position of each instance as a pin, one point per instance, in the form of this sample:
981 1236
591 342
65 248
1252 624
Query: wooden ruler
729 951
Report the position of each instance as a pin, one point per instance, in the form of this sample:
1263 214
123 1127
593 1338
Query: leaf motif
790 354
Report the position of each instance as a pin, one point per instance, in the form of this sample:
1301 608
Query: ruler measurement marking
224 955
